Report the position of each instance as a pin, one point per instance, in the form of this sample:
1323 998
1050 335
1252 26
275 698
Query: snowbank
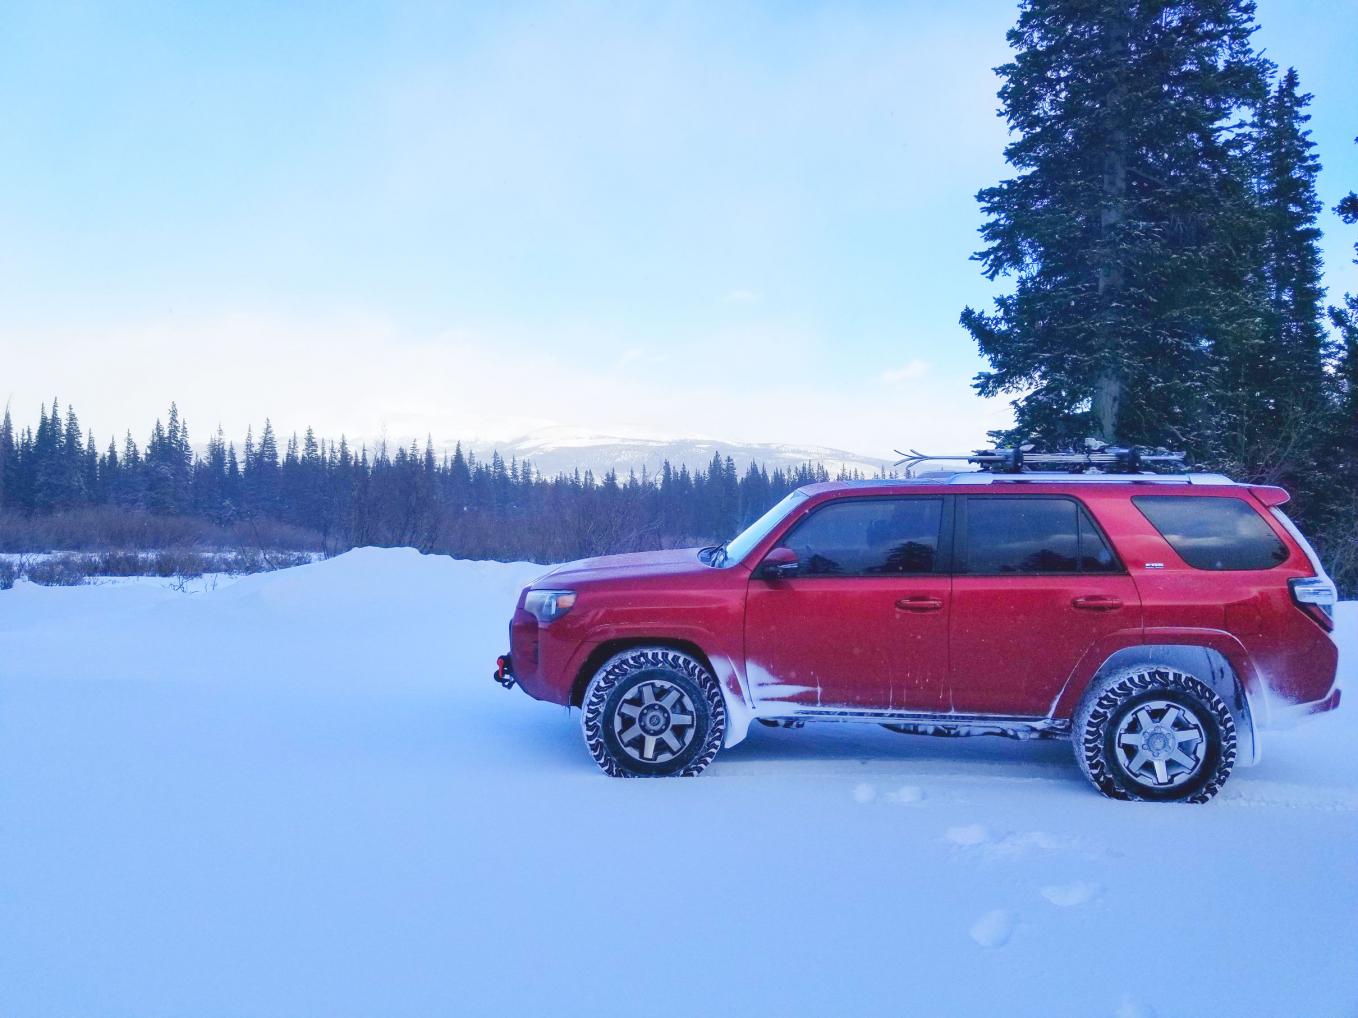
300 794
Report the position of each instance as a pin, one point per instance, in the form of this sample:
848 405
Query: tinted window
1033 535
1095 555
1213 533
862 537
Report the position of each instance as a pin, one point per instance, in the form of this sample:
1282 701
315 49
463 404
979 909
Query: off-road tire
627 671
1108 703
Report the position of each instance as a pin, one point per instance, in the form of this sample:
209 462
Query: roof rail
1061 477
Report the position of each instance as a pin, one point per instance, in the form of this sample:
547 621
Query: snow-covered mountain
556 449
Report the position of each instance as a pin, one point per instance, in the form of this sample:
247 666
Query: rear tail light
1316 596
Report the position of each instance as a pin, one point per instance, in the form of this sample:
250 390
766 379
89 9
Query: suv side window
1213 533
869 537
1033 534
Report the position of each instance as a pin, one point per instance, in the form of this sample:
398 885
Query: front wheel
1155 734
652 712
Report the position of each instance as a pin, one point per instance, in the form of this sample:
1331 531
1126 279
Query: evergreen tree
261 472
1126 224
456 504
1345 320
8 461
1340 540
1275 389
49 469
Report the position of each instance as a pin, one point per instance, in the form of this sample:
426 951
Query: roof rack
1060 477
1105 459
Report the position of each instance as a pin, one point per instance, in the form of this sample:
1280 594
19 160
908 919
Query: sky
744 221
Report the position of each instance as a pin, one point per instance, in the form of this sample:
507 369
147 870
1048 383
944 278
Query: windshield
744 543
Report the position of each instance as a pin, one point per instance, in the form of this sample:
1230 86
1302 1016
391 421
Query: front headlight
548 605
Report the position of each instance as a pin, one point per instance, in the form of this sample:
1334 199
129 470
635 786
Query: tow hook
504 671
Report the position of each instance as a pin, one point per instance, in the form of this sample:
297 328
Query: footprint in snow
971 834
1012 844
1070 895
993 929
1133 1008
907 794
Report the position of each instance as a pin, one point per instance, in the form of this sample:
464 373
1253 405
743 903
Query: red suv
1157 621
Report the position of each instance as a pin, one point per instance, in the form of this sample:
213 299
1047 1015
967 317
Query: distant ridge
556 449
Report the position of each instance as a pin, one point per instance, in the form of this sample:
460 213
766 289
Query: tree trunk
1108 386
1107 397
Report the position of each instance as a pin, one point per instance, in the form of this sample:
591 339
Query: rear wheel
652 712
1155 734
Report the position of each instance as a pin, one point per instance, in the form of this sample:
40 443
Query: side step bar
909 723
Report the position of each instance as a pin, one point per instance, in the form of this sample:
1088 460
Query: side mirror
778 564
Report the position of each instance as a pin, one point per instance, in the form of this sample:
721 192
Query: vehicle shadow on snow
865 745
825 750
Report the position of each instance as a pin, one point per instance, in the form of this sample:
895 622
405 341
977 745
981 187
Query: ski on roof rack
1109 459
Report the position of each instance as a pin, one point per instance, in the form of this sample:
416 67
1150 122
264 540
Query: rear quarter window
1217 534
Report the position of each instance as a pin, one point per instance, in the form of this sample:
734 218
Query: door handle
920 604
1098 603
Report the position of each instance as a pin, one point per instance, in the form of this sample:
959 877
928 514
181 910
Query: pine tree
8 461
1275 388
1340 542
90 470
261 472
49 469
1345 320
1123 226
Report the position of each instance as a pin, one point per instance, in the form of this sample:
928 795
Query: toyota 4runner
1159 622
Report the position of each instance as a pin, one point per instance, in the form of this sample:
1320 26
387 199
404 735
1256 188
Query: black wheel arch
1204 663
609 648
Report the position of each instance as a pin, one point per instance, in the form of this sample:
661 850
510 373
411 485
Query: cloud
742 296
910 370
363 375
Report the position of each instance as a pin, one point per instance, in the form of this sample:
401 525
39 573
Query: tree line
333 496
1161 230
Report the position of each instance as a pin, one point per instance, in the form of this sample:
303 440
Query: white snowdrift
300 794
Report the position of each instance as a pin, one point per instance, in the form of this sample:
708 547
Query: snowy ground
299 794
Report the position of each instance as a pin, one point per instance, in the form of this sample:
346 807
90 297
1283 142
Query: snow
561 448
299 793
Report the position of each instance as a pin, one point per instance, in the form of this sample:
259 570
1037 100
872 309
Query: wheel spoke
1161 772
671 740
1138 761
647 695
629 710
1186 736
1144 716
668 700
648 750
630 734
681 719
1127 739
1172 714
1187 762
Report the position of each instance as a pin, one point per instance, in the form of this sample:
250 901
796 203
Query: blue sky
747 221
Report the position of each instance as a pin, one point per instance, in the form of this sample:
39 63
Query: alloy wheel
654 722
1160 743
